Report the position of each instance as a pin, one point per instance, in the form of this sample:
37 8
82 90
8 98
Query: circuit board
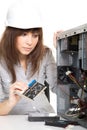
34 88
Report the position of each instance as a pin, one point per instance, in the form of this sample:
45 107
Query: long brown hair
9 52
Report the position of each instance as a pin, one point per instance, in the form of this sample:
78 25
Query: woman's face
26 42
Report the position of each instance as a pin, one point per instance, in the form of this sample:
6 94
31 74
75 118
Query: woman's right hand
17 86
7 105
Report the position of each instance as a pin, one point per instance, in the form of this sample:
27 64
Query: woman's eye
24 34
35 35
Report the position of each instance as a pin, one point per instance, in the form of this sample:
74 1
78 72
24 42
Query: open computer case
72 74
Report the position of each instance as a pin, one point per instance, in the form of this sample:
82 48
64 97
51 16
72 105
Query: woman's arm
6 106
51 71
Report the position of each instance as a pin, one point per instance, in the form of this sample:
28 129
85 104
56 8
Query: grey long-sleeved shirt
48 70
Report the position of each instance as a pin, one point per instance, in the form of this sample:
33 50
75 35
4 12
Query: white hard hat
23 16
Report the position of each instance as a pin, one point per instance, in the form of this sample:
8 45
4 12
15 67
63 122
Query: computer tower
72 70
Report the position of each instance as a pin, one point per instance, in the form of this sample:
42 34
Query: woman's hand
55 37
17 86
7 105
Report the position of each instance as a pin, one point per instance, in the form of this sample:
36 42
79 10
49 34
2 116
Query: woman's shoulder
48 54
48 50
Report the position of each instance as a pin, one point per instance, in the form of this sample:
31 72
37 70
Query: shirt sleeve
1 91
51 71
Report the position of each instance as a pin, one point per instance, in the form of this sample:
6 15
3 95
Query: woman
23 57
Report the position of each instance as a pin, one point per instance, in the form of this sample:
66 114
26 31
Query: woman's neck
23 62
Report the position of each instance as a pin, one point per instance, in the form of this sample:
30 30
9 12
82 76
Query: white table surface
20 122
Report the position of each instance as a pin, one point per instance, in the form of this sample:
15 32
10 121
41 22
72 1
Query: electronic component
43 118
33 90
60 123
